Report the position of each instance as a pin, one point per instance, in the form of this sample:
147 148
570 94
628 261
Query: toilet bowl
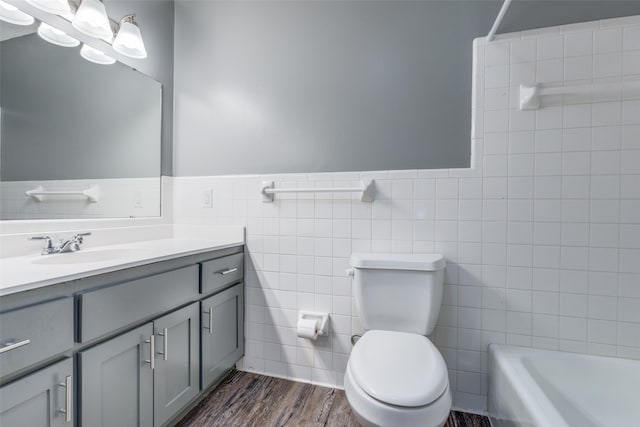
395 376
397 379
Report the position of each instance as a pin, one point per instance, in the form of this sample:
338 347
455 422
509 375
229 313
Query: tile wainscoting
541 236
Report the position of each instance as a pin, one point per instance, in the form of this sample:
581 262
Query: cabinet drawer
107 309
219 273
34 333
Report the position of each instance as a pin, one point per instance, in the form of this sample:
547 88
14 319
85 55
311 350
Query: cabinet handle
165 344
210 313
68 396
13 345
227 271
152 352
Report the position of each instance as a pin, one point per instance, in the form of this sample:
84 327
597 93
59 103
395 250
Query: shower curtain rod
496 24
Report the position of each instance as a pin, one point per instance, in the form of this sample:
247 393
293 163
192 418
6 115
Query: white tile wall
542 238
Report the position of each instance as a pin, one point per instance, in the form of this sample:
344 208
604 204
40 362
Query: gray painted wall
155 18
279 86
66 118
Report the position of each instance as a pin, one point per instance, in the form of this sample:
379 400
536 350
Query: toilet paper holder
322 320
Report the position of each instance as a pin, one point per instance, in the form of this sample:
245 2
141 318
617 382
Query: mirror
77 139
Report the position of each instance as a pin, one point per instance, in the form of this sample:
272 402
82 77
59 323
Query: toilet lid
398 368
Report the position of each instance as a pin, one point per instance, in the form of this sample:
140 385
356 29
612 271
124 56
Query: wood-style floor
246 399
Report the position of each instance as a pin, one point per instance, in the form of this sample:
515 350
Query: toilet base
373 413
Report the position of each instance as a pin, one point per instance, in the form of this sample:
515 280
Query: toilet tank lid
423 262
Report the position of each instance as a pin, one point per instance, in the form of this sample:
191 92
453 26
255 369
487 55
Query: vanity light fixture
55 36
128 41
12 15
91 19
94 55
57 7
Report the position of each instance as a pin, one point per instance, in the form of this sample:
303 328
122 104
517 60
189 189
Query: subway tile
523 51
631 38
631 63
631 112
609 40
603 308
578 68
546 256
578 43
550 47
576 186
576 139
551 70
631 162
546 279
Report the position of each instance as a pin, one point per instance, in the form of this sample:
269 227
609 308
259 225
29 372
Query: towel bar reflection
92 194
367 189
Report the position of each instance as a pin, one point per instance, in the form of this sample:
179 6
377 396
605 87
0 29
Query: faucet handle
48 246
47 238
78 237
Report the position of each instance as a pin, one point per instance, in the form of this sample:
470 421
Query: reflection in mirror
85 135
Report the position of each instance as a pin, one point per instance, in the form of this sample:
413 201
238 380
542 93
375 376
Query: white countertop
22 273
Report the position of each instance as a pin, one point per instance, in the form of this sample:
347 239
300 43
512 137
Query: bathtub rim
539 408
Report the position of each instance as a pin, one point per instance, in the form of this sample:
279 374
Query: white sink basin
86 257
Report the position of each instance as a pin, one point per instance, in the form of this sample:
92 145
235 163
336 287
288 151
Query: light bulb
92 20
57 7
129 41
55 36
12 15
94 55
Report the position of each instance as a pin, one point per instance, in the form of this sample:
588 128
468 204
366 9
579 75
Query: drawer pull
210 327
68 396
165 344
227 271
152 352
13 345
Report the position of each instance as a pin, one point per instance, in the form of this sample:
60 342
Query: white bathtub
541 388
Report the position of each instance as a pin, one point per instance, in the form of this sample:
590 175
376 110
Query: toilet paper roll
307 328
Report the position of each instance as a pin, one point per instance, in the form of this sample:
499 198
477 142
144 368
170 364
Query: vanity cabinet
147 343
177 366
222 333
35 332
43 398
142 377
107 309
116 381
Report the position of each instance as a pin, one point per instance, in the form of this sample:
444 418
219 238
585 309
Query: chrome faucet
69 245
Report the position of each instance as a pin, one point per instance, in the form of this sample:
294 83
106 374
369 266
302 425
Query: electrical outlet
207 198
137 199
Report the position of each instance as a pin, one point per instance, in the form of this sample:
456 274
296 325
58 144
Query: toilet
395 375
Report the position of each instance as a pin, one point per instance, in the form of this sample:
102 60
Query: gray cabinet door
222 332
177 364
39 399
116 381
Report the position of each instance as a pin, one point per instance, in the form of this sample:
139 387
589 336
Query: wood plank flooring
245 400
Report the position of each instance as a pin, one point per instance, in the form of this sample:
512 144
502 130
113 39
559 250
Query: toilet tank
398 292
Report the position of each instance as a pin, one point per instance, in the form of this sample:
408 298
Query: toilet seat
398 368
